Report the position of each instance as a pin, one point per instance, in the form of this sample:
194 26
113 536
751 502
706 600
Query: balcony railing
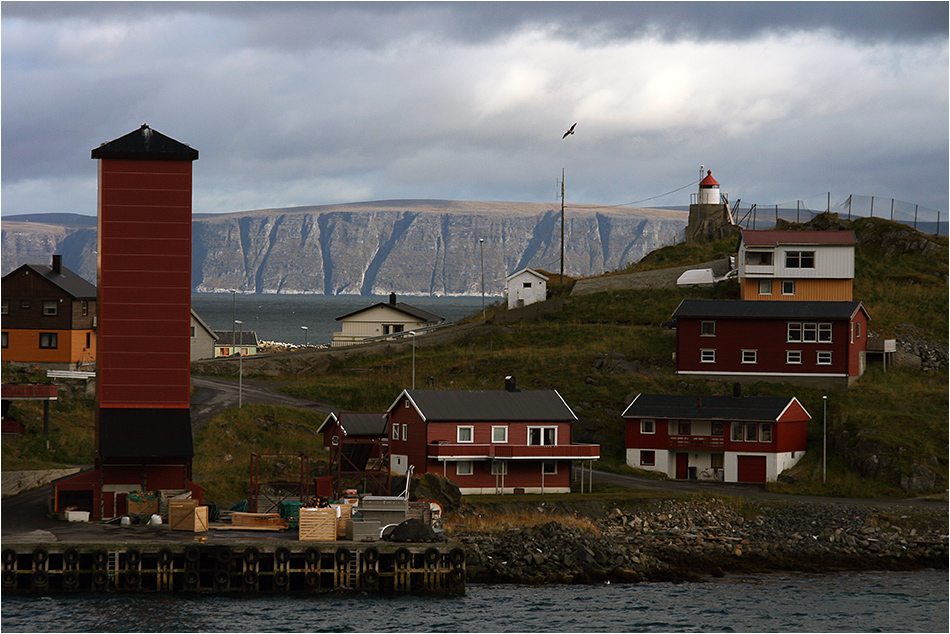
697 442
513 452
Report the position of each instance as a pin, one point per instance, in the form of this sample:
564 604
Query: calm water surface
859 602
280 317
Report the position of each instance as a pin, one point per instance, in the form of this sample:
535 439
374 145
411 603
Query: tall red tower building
143 426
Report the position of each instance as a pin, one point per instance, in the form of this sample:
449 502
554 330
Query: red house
359 451
814 343
721 438
143 422
489 441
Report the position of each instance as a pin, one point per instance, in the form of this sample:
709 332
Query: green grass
71 435
223 448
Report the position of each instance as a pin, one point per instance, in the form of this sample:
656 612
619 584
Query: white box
77 516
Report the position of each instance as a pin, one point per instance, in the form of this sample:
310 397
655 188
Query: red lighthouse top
709 181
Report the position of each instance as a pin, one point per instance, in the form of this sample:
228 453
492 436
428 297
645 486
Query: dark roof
766 237
224 338
489 405
145 144
67 280
406 309
371 424
145 433
746 309
668 406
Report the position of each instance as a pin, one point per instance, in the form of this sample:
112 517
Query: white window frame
793 357
545 470
50 308
652 462
707 355
765 432
5 309
647 426
504 434
788 287
471 434
799 259
499 467
707 328
405 432
465 468
395 431
542 432
823 357
737 432
824 333
750 356
751 429
857 330
762 285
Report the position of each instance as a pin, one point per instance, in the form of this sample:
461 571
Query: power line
637 202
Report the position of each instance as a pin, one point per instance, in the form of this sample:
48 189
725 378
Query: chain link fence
924 219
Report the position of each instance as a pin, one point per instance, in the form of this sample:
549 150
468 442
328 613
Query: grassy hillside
900 275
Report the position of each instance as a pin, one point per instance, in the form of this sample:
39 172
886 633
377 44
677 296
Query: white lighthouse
709 190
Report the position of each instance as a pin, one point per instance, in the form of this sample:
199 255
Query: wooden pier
234 568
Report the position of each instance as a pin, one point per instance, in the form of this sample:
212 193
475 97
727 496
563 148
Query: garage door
751 468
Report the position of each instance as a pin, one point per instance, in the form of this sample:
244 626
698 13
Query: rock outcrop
676 540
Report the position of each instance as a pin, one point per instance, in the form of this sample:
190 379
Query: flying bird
571 131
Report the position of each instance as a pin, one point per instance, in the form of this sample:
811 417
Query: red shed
143 427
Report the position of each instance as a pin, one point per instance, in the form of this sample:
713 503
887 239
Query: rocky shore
677 540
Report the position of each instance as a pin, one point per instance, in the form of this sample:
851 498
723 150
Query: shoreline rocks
675 540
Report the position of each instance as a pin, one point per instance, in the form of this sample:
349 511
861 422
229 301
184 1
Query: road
212 396
752 491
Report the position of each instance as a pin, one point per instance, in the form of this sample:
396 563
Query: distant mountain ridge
411 247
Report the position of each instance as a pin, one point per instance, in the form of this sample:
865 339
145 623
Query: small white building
524 287
202 338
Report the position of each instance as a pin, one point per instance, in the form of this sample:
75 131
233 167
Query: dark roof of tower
145 144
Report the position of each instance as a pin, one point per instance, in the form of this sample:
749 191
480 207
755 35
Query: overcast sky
316 103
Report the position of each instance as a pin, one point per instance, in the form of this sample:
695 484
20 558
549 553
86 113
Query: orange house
810 266
49 316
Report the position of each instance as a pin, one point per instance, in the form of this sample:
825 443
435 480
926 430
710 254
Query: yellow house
381 319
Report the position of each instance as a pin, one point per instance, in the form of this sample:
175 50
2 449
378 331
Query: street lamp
824 442
413 333
481 248
240 363
306 336
233 292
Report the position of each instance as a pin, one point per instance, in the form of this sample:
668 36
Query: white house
524 287
202 338
381 319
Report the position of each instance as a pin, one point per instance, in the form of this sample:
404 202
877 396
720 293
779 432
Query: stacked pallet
318 525
261 521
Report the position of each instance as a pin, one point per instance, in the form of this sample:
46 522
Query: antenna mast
562 225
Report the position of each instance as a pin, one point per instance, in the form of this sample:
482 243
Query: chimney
392 299
57 264
737 390
510 384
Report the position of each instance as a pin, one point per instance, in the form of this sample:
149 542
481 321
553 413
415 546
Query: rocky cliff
410 247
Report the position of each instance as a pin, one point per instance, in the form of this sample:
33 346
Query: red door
751 468
682 466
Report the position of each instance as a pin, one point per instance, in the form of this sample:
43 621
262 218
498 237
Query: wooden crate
142 507
318 525
258 520
344 517
186 515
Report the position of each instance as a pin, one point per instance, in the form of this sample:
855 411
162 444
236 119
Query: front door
682 466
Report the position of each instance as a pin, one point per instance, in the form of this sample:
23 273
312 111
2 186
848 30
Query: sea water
280 317
843 602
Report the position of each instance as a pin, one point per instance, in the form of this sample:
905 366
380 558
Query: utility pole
562 225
